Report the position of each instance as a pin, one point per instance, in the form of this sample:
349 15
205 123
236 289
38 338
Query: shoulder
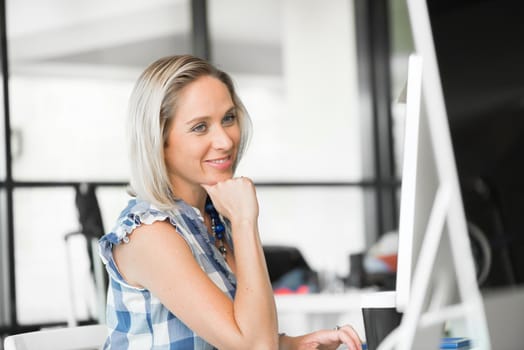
136 213
148 249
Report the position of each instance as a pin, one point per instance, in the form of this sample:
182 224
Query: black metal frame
373 50
200 32
8 168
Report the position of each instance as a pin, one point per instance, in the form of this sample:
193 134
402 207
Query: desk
304 313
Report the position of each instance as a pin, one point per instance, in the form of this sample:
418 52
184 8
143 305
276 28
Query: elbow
271 343
259 342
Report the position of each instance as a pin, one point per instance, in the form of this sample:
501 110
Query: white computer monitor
420 185
436 280
418 182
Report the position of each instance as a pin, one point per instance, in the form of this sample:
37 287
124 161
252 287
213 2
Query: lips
220 163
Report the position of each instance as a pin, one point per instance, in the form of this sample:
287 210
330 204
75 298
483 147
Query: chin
221 178
226 177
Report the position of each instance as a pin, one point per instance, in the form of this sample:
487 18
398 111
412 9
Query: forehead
204 97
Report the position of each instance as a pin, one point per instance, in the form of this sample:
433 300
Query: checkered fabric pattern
136 318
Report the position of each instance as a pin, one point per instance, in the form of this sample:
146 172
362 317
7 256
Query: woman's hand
235 199
254 312
324 340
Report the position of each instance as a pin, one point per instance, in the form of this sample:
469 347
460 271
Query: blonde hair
151 110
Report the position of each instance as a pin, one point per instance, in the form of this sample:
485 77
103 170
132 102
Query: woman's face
203 142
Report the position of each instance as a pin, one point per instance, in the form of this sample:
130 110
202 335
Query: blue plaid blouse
136 318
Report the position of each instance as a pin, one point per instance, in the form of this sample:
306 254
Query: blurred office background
320 80
321 154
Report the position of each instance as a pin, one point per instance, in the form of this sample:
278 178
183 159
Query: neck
194 197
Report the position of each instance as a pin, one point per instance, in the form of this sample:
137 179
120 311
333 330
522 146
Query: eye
229 119
199 128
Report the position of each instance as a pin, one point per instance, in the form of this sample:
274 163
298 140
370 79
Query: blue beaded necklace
217 226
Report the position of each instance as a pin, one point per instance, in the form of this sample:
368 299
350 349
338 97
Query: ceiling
478 42
245 36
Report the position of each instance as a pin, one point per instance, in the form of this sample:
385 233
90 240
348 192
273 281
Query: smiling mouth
220 161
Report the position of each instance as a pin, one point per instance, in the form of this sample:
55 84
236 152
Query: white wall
320 75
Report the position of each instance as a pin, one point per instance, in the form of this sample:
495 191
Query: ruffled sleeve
135 214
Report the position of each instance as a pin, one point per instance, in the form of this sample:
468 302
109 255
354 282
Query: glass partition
295 69
298 80
323 222
69 129
42 219
73 65
73 68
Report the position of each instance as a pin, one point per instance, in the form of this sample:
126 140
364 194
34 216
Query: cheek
191 153
173 156
169 158
235 136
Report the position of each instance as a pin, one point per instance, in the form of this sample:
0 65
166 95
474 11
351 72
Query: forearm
286 342
254 305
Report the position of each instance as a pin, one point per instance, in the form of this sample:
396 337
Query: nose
221 139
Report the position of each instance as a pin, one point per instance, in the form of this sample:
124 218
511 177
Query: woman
186 264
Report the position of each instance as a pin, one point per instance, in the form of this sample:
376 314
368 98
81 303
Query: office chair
70 338
288 268
91 228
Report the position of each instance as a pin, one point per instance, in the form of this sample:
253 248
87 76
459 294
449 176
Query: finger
244 179
352 332
349 341
207 188
349 336
209 184
210 189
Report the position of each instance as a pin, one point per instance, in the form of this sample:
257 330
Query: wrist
282 341
285 342
244 223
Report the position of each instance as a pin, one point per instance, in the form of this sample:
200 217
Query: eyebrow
197 119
